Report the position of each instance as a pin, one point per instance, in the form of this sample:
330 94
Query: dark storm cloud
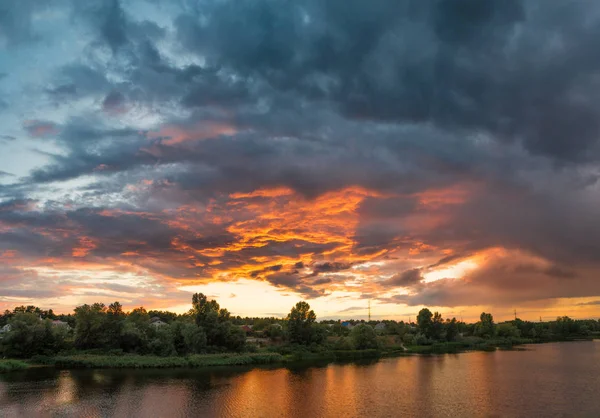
120 151
504 280
448 259
463 65
293 282
558 227
330 267
107 18
114 102
323 280
404 279
78 80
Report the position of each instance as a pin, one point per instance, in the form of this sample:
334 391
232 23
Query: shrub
12 365
364 337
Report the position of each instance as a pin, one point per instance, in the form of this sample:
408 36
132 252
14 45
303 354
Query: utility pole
369 310
515 314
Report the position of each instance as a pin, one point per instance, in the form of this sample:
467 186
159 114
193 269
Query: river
548 380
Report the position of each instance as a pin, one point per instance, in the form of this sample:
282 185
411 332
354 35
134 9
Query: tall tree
451 329
90 326
437 326
215 323
424 321
115 318
300 321
485 327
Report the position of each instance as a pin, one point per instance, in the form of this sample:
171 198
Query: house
347 325
5 328
247 328
59 323
380 327
261 342
156 322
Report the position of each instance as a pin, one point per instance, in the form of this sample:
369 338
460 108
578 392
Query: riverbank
134 361
12 365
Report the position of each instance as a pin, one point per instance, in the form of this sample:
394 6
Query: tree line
208 328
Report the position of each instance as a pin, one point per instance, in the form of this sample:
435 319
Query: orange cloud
86 245
174 134
457 194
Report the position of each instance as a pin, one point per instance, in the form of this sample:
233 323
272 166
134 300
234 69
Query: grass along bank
288 356
12 365
134 361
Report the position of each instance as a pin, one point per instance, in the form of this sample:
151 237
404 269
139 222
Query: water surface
549 380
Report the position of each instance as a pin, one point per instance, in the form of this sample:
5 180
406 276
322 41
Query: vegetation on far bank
150 361
106 336
12 365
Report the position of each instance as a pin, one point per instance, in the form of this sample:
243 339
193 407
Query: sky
400 153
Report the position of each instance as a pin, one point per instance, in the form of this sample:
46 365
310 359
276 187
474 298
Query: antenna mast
369 311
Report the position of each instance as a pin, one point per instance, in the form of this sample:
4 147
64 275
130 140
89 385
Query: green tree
139 317
164 316
4 318
425 322
177 336
194 338
274 331
507 330
203 309
132 338
363 336
90 326
451 329
437 326
300 321
340 330
236 339
161 342
564 327
114 323
216 324
318 333
343 343
30 335
485 327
